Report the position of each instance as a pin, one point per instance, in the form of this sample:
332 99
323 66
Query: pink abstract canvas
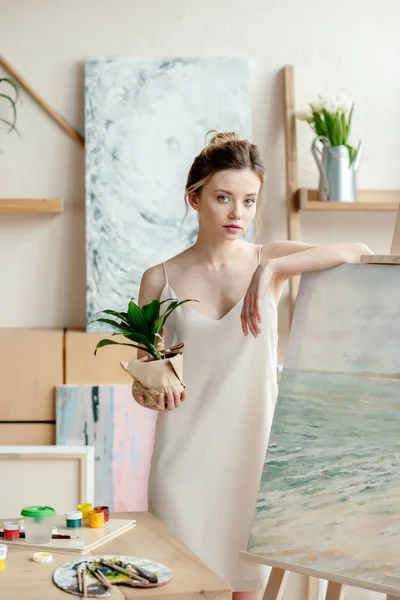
122 433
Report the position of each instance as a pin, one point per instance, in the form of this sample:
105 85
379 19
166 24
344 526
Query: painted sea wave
329 496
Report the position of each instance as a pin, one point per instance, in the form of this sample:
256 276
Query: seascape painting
329 496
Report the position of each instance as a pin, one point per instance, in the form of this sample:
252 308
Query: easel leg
276 584
335 591
313 585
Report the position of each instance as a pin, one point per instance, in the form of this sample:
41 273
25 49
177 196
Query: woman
208 454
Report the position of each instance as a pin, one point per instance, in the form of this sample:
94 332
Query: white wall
345 46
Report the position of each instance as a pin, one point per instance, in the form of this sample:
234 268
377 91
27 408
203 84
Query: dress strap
259 253
165 273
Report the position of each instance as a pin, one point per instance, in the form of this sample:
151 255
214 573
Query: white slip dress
209 453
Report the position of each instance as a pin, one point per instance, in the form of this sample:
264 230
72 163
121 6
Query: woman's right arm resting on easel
151 286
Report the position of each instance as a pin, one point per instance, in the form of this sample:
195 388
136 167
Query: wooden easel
280 573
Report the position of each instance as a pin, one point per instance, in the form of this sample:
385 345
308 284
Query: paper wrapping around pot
155 377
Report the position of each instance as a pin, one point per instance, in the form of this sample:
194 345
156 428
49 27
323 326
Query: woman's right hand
168 401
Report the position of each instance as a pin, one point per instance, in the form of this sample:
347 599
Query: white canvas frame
28 472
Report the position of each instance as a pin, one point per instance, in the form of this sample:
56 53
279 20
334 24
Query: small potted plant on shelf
8 105
161 370
336 159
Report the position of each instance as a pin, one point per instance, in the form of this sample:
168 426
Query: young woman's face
227 203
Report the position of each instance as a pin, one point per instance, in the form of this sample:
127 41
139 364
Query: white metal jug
337 176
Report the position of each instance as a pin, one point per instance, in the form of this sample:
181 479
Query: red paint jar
11 530
105 510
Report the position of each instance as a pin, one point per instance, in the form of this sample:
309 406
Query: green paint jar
73 519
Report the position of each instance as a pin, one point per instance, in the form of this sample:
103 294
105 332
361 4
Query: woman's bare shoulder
154 279
151 285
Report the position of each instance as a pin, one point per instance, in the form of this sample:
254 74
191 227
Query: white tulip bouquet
331 118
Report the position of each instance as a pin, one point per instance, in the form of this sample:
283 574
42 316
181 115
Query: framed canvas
57 476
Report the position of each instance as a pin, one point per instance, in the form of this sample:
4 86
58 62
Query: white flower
344 103
331 105
318 105
305 114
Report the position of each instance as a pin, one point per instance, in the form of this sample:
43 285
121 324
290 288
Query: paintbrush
84 583
127 572
55 536
151 577
100 577
79 579
81 575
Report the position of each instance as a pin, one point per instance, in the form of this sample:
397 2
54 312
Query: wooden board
27 434
376 200
31 365
384 259
82 366
34 205
85 539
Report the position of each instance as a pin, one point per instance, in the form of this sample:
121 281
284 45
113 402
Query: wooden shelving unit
34 205
301 199
376 200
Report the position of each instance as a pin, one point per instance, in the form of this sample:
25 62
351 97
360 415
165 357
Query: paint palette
66 577
83 540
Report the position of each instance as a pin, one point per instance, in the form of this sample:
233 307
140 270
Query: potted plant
8 103
159 372
338 160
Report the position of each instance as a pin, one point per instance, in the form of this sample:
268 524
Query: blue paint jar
73 519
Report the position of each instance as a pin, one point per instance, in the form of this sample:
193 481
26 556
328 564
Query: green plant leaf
151 312
13 85
137 319
135 337
119 326
12 127
344 128
107 342
120 315
14 109
159 324
320 128
349 121
329 127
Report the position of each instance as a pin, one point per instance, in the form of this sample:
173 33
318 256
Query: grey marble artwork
146 120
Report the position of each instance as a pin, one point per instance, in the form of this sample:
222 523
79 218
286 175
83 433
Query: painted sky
347 319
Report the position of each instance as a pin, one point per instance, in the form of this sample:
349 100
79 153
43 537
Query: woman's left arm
281 260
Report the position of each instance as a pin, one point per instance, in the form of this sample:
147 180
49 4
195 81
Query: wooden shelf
34 205
377 200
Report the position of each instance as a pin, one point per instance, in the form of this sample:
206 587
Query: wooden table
24 579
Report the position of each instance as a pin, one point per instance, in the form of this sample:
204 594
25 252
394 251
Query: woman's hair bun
220 139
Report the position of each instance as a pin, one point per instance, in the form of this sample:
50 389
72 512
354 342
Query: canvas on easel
329 493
